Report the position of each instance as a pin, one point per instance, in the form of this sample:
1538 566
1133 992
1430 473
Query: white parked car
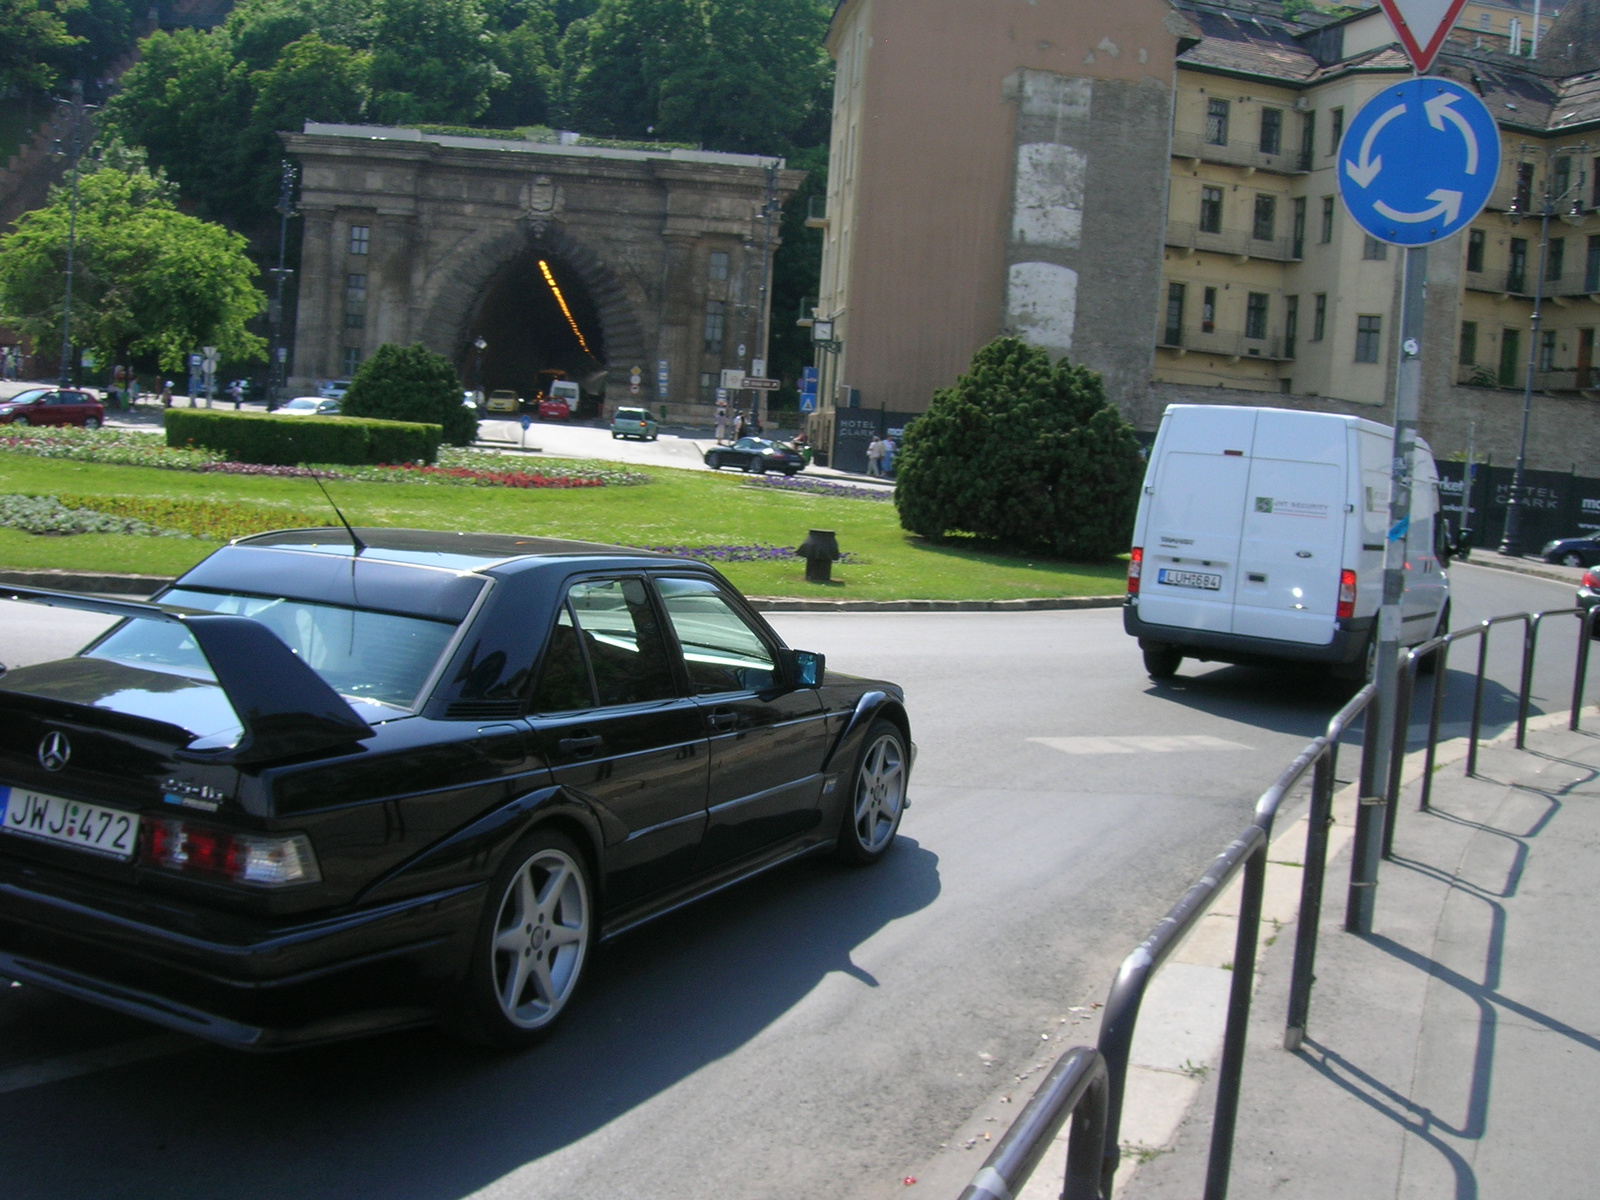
1260 538
308 406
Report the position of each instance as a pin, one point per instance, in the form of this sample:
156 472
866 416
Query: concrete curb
87 581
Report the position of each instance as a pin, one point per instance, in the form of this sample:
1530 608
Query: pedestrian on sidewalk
738 426
166 395
875 456
236 390
889 449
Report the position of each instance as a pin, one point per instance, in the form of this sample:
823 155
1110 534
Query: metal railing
1089 1084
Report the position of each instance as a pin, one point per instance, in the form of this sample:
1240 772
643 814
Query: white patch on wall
1046 94
1042 304
1047 205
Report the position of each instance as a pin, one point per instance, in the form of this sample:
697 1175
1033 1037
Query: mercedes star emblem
54 750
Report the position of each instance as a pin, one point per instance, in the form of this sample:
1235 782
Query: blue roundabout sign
1419 161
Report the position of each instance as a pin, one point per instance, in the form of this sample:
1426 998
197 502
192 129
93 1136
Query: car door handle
580 746
722 719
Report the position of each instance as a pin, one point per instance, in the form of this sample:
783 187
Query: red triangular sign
1422 26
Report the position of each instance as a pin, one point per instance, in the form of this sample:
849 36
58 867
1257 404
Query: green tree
412 383
32 33
186 101
1025 452
430 61
312 80
796 268
147 279
526 57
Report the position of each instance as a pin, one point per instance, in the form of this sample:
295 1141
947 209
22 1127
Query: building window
355 301
1510 356
1291 324
708 386
1547 350
1374 250
1368 331
1562 183
717 264
360 236
1308 139
1208 311
1483 20
1271 130
350 361
1265 226
1591 266
1173 335
1217 122
1255 315
1319 317
1594 186
1468 355
1297 248
1524 193
715 316
1327 220
1210 210
1517 275
1475 241
1335 129
1555 259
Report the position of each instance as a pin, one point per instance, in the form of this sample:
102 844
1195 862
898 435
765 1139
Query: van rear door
1191 537
1294 527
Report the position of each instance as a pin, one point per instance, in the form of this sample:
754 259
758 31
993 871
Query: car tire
792 472
877 796
714 461
615 436
1572 559
534 939
20 421
91 422
1429 663
1162 662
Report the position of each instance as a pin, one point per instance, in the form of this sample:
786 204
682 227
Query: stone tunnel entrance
539 323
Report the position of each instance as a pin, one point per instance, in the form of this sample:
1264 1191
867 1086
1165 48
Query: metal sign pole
1408 388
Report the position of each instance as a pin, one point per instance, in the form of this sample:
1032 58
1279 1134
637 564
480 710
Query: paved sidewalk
1456 1051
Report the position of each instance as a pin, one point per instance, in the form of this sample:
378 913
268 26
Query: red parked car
53 406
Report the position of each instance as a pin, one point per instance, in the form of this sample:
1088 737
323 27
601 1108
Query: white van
1260 538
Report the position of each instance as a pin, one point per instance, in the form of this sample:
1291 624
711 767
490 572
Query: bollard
821 551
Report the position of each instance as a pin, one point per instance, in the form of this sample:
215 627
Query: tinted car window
627 652
564 683
721 650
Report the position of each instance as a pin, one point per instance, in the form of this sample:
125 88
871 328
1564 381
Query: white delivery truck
1260 538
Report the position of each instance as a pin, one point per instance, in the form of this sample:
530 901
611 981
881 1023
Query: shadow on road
419 1117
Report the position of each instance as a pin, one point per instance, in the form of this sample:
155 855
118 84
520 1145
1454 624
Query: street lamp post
480 346
280 276
1512 542
73 150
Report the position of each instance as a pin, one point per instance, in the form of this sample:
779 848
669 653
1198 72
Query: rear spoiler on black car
284 706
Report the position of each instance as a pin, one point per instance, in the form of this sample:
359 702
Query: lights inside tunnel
544 269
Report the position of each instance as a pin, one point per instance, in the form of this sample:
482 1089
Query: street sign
661 378
758 366
761 385
733 378
210 357
633 388
808 402
1422 25
1419 161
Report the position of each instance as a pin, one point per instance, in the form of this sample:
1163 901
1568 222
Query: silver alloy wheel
880 793
1572 559
91 423
541 938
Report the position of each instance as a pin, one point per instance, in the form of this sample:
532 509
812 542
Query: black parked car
327 784
755 454
1573 551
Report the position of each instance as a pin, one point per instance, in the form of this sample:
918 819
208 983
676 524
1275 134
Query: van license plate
1189 579
109 831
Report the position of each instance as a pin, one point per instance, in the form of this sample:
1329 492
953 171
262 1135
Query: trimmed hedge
286 441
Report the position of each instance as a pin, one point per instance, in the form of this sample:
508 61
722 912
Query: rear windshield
377 658
632 414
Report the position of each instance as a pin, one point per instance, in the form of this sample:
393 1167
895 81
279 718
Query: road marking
1174 744
87 1062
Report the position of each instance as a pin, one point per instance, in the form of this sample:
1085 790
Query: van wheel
1162 663
1430 662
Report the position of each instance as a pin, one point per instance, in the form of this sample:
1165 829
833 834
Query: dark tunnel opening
536 319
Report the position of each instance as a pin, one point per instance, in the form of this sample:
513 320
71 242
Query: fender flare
475 849
868 708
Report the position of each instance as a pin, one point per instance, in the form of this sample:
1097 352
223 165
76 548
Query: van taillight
1135 562
1347 594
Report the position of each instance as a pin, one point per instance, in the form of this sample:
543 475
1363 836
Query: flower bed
822 487
213 520
48 515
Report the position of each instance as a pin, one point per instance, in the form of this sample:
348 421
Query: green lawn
687 508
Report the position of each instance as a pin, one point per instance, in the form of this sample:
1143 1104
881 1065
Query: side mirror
806 667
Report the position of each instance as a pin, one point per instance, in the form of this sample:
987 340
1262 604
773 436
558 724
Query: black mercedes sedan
333 782
756 454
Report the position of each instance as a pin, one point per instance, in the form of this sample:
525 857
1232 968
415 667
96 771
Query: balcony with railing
1186 235
1194 147
1571 284
1573 379
1234 345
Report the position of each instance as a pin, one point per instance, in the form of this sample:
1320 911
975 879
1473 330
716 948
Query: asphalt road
819 1032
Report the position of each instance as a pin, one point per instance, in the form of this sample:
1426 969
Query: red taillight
1135 564
1591 579
252 858
1347 594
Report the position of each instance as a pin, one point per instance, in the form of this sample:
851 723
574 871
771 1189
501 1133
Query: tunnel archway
537 318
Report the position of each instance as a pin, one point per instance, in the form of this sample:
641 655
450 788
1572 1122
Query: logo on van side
1264 504
1291 508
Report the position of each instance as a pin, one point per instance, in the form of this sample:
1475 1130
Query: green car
634 423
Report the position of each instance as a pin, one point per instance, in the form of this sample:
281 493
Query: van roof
1307 414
